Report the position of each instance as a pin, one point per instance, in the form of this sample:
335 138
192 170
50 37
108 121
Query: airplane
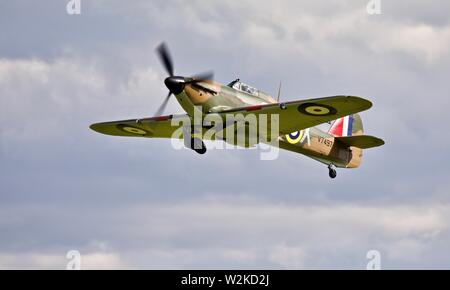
340 147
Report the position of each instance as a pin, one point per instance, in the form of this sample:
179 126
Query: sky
130 203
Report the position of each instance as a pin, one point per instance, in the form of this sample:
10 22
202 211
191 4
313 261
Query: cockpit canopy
240 86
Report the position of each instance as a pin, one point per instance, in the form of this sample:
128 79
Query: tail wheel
332 171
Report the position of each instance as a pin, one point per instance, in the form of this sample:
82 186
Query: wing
293 116
156 127
299 115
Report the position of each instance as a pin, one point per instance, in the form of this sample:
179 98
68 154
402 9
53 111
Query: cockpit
240 86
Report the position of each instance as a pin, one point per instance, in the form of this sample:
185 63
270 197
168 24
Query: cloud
95 260
288 257
65 89
231 234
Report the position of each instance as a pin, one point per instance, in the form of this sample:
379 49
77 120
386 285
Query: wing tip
366 104
376 142
102 129
95 127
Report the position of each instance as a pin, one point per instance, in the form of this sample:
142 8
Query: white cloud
58 261
288 257
50 97
39 97
101 260
426 43
31 261
408 250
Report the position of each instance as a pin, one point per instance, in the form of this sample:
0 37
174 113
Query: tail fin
347 126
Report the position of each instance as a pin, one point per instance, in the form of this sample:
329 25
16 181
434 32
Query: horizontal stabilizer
362 141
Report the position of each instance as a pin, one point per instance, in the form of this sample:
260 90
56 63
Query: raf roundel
294 137
316 109
132 130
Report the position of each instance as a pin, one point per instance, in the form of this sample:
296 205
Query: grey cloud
63 186
219 234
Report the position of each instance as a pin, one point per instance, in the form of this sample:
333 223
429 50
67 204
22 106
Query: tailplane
361 141
349 131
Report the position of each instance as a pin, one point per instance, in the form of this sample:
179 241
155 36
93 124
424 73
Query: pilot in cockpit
240 86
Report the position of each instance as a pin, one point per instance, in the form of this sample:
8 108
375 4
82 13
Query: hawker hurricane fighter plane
296 121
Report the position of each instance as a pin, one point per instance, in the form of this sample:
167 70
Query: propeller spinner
175 84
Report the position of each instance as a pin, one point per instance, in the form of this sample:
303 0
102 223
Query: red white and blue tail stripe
342 127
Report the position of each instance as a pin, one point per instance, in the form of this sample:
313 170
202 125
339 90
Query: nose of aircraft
175 84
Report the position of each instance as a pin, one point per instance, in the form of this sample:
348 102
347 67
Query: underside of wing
299 115
156 127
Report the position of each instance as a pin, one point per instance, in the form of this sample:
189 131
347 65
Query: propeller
204 76
163 106
164 56
176 84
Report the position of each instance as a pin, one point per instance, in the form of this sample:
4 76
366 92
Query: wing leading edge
156 127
